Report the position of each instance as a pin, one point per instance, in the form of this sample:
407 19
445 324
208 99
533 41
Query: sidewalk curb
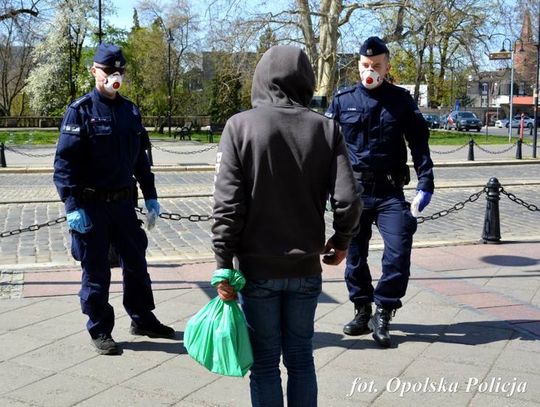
211 167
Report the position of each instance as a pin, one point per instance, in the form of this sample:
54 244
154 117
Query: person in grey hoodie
277 165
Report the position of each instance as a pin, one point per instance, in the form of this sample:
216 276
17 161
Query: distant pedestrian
377 118
101 148
277 165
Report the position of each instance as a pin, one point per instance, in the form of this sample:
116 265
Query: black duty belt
93 195
370 176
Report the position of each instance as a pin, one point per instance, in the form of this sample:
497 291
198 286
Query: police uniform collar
108 101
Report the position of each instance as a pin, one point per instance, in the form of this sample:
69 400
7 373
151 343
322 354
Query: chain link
520 201
16 151
449 151
485 150
457 207
178 217
531 146
185 152
33 228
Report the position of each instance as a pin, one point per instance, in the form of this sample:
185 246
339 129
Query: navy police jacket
101 146
376 124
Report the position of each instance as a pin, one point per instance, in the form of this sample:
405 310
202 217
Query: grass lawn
438 137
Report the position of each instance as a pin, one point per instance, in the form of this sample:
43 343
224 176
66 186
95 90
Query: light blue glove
424 199
152 205
79 221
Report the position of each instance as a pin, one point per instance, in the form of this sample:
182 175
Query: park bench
184 132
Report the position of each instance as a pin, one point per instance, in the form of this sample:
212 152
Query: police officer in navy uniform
101 148
378 119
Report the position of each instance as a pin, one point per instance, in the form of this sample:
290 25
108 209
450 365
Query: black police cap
373 46
109 55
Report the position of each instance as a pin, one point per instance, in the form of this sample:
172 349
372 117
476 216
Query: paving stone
57 390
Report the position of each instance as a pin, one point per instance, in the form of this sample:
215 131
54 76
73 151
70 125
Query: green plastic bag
217 336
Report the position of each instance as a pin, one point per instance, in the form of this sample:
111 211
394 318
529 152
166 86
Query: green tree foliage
48 84
146 78
225 98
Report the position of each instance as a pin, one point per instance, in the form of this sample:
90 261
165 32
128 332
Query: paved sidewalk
191 154
468 335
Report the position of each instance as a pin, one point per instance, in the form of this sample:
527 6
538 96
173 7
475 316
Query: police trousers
113 223
384 206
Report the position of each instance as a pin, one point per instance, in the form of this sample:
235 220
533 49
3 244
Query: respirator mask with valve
370 78
113 82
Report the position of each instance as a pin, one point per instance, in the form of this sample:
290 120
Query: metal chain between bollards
185 152
485 150
449 151
531 146
33 228
519 201
178 217
16 151
457 207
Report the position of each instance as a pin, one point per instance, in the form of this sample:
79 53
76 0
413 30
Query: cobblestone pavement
15 188
187 240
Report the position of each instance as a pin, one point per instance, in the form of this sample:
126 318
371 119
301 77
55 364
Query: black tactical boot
359 324
155 331
105 345
379 325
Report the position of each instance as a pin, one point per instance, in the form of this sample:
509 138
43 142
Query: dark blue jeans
392 216
280 315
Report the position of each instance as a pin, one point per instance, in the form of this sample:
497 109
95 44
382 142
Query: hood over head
283 76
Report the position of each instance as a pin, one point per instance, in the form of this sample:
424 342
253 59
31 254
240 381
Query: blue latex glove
79 221
424 199
152 205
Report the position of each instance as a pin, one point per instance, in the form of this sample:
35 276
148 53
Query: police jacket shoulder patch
345 90
80 101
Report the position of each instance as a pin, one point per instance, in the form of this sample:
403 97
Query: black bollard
518 149
492 224
150 158
470 156
2 155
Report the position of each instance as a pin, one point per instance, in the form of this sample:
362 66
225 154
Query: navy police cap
373 46
109 55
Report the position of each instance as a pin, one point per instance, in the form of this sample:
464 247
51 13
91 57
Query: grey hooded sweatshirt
276 166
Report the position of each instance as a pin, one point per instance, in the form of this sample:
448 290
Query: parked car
501 123
461 120
516 122
432 120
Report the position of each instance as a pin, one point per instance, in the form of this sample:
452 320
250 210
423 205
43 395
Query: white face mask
113 82
371 78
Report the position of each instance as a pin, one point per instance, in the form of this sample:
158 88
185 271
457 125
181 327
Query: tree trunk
326 70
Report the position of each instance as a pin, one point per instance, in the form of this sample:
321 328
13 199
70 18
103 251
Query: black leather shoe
379 324
105 345
359 324
154 331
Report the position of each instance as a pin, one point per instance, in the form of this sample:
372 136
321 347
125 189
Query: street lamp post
71 87
170 40
512 50
536 90
100 33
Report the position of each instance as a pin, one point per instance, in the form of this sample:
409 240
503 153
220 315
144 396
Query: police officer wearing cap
100 150
379 120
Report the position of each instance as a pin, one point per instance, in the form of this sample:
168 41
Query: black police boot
359 324
155 331
379 325
105 345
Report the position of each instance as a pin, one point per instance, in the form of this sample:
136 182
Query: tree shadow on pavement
510 261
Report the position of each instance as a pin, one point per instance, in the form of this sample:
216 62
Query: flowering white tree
49 84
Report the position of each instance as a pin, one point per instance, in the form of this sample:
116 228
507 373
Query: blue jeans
280 315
